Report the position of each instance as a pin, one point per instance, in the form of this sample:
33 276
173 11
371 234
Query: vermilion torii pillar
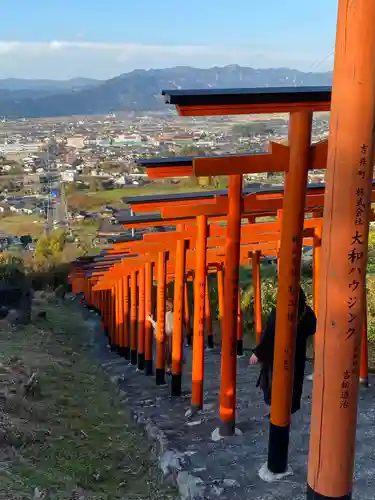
288 290
149 334
220 295
120 316
239 349
257 296
208 316
178 319
126 328
344 255
133 318
229 333
199 304
160 325
141 319
363 372
189 336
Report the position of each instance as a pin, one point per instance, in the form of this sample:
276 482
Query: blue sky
66 38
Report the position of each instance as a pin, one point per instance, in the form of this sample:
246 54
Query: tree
221 182
8 185
16 168
251 129
26 239
96 185
110 166
86 170
50 246
11 267
192 150
70 188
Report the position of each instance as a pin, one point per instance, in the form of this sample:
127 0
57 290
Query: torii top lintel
151 205
259 203
276 160
258 235
124 267
193 196
256 100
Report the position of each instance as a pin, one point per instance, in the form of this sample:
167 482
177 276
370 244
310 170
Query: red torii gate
192 103
156 249
349 159
274 195
259 200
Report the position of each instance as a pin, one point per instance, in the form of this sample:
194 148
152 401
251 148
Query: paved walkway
227 469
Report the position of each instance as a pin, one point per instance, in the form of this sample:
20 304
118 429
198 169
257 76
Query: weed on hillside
63 432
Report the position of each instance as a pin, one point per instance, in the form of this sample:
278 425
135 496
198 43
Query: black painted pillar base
133 357
194 409
210 341
160 376
141 361
240 347
278 445
364 382
125 352
189 340
114 347
227 429
106 333
312 495
148 367
176 384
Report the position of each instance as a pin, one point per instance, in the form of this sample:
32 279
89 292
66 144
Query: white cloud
67 59
6 47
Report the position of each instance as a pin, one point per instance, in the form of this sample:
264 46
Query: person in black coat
264 352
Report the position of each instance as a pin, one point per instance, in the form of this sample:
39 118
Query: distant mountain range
16 84
139 90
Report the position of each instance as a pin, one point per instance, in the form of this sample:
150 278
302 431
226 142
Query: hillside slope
64 432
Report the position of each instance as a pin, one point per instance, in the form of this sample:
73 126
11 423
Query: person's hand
253 360
150 319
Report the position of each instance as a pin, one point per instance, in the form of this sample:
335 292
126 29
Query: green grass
19 224
151 189
93 201
86 230
71 437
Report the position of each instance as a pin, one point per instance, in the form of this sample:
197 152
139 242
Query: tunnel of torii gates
120 281
348 157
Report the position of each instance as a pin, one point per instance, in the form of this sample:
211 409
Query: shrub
12 271
371 306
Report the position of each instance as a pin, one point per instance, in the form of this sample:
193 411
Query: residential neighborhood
46 165
108 147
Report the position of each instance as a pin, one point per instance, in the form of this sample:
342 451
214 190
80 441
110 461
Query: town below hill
75 173
137 91
64 180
